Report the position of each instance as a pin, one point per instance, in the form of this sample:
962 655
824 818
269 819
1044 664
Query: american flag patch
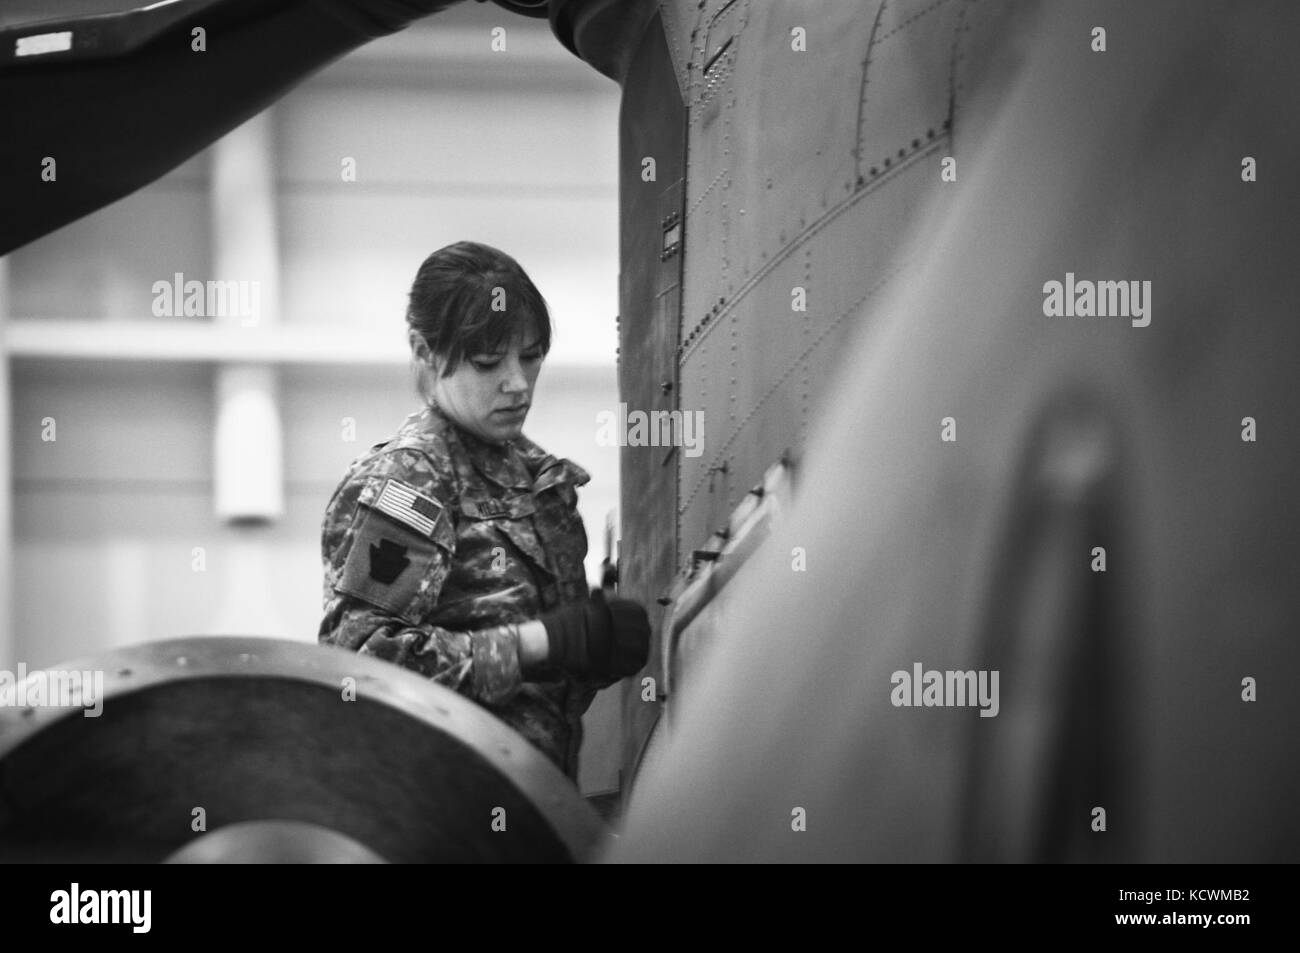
405 505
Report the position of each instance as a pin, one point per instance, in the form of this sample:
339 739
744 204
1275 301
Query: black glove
600 636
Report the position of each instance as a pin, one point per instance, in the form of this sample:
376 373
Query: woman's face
488 394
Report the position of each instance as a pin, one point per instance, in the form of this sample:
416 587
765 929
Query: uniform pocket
510 518
562 533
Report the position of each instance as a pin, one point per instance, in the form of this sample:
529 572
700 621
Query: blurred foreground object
274 842
841 223
234 730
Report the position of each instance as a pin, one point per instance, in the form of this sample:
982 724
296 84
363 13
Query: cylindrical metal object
197 734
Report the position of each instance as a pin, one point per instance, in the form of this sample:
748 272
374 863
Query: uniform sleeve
387 544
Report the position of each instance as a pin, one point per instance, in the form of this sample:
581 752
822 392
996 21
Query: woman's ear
418 346
422 353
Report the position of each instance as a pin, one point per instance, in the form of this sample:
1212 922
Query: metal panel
781 194
908 84
704 485
680 23
747 376
855 254
707 273
652 123
798 137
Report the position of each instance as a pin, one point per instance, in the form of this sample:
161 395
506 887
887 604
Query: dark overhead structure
119 92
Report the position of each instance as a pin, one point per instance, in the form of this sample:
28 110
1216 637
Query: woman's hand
601 636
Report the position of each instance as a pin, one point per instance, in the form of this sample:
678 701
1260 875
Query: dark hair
452 298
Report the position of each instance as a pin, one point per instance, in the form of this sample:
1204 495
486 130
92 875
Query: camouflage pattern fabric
436 545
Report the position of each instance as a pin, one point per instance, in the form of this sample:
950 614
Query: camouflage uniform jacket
435 544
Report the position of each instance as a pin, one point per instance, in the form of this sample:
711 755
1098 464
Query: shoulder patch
408 505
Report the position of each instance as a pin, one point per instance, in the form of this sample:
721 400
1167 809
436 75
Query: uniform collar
516 464
503 464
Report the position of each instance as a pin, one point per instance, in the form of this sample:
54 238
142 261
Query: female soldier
456 549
